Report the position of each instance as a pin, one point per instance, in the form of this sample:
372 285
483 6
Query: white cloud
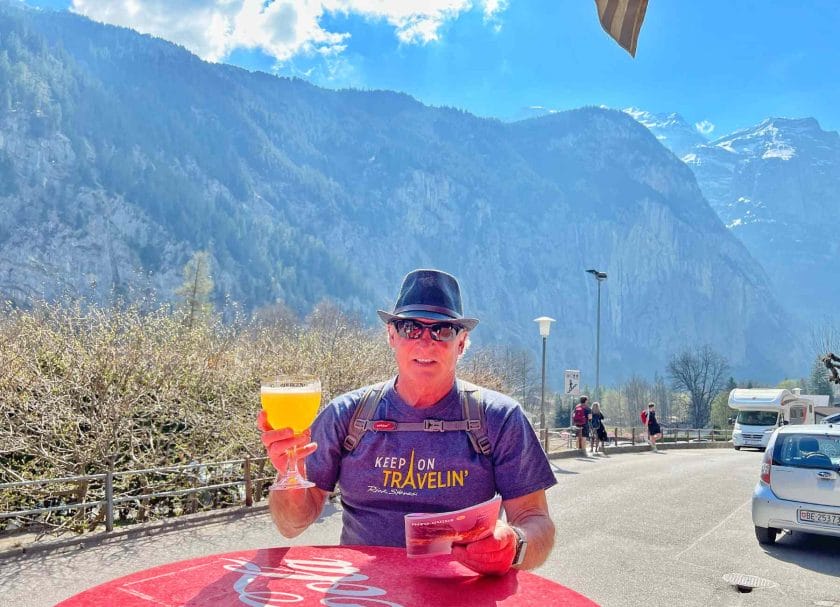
280 28
704 127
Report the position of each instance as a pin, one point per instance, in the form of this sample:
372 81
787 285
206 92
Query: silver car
831 419
799 487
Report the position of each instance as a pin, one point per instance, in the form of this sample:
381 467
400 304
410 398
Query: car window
757 418
807 451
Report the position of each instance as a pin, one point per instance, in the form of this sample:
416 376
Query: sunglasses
440 331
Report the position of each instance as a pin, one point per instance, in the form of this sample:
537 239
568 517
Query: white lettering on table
337 579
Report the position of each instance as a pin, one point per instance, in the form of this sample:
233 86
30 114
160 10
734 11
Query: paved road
633 529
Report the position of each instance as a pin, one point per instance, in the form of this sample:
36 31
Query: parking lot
632 529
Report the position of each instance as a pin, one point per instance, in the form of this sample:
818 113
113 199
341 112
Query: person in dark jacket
597 429
652 426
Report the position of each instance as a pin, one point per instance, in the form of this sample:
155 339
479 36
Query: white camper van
760 412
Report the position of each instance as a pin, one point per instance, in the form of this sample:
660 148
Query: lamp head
545 325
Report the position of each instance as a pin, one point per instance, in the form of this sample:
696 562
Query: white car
831 419
799 487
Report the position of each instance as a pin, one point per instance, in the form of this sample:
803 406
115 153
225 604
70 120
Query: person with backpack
424 441
652 428
581 416
598 430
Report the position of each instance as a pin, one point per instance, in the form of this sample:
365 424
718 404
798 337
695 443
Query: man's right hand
278 442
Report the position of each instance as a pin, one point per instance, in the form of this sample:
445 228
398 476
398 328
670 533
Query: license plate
824 518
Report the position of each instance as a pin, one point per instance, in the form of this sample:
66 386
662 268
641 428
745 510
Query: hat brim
467 323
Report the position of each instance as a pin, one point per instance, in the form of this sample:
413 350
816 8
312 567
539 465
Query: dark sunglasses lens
443 332
409 329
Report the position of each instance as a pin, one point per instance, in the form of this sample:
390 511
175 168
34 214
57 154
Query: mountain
671 130
776 186
122 154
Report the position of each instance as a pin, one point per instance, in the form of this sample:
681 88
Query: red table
345 576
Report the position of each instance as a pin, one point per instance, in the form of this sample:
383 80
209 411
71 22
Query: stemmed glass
291 401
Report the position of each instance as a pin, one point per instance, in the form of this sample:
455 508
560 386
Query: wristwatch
521 546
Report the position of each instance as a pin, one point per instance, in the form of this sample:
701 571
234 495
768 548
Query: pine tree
196 289
818 382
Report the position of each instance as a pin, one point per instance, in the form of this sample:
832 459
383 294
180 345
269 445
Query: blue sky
732 63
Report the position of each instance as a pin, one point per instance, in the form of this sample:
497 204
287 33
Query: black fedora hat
429 294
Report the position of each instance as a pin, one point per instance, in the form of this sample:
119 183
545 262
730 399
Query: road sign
571 382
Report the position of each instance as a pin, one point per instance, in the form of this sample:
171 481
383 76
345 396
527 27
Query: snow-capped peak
671 130
776 138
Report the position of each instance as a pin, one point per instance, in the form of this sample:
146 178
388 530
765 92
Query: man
389 473
581 416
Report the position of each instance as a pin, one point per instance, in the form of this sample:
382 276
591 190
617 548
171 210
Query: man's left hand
492 555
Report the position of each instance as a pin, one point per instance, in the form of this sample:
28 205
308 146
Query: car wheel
766 536
737 448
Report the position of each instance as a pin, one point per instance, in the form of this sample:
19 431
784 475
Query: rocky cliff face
121 155
61 239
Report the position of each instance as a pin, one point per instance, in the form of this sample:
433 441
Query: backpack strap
361 416
473 422
472 409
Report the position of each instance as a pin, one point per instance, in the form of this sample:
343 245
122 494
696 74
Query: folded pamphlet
434 534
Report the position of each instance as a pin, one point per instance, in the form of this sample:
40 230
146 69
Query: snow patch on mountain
671 130
766 140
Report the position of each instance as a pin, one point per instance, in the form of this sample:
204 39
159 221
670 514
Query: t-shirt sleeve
520 465
329 430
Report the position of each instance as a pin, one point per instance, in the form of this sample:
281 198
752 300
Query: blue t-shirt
390 474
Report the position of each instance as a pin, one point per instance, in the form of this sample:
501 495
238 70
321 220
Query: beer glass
291 401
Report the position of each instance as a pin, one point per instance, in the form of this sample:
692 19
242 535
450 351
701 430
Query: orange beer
292 407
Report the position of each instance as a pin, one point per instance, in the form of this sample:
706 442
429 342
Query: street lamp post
599 277
545 326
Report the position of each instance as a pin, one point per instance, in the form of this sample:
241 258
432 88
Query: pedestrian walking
598 430
652 428
581 417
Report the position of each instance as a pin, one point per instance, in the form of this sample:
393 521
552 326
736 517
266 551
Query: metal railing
131 492
636 435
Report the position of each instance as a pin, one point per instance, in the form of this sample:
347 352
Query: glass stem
291 462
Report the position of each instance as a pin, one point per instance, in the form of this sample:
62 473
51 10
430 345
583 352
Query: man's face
425 359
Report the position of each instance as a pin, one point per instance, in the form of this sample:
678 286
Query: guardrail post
109 496
249 491
633 436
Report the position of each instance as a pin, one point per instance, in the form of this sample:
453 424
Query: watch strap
521 546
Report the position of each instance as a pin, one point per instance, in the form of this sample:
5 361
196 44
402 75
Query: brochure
434 534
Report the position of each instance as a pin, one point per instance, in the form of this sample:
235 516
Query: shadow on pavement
558 470
815 552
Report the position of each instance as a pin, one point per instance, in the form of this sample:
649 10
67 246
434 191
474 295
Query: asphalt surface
632 529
